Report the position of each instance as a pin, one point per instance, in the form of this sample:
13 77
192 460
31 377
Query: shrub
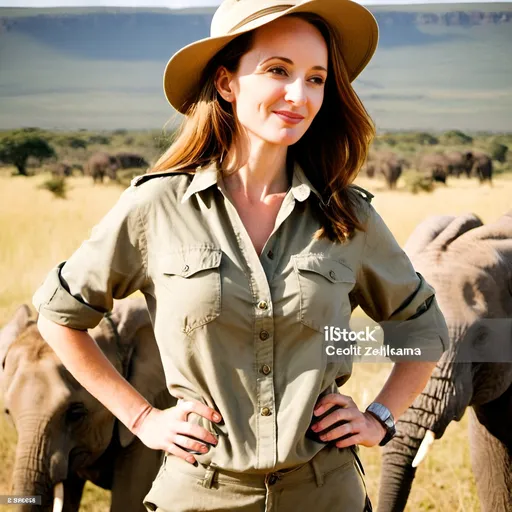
57 186
416 181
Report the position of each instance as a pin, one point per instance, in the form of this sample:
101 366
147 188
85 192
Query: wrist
376 422
139 419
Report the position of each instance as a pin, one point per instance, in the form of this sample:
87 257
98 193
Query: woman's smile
289 117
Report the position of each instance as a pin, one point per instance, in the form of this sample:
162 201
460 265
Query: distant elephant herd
435 166
101 165
387 164
68 437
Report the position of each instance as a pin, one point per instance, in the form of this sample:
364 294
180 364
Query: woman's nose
296 92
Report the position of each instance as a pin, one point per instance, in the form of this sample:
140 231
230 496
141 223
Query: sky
180 4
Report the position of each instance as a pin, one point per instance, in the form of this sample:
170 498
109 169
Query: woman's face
279 86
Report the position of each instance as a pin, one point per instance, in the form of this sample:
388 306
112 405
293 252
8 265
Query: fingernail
204 448
320 410
324 437
216 417
314 428
191 460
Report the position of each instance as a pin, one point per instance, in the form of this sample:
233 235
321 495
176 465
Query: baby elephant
65 436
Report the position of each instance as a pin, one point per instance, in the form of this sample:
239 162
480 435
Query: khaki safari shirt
240 332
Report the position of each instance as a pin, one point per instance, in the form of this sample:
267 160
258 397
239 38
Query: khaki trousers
331 482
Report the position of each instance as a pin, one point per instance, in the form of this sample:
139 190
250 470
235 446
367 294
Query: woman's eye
318 80
277 71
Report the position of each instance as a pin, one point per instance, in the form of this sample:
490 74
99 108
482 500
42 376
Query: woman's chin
285 137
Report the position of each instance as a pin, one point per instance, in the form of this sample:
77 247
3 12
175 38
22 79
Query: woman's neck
256 170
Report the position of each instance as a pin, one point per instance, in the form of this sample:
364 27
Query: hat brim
356 25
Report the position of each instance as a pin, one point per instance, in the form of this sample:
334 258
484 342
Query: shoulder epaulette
139 180
367 196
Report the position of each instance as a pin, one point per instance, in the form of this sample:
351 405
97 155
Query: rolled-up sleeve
392 293
110 265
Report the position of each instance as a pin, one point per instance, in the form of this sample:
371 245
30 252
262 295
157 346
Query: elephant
65 436
436 166
482 167
470 266
62 170
130 160
102 164
387 164
459 162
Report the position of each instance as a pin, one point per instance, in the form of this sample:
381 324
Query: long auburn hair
331 152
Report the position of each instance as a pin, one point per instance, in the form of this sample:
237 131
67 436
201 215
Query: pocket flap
333 270
189 260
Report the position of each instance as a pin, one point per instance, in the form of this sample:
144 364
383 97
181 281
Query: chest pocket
324 285
192 276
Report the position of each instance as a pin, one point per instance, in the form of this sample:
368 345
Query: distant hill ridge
439 66
468 17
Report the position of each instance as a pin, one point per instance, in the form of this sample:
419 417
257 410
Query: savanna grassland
39 230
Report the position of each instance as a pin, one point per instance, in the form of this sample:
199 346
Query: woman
249 242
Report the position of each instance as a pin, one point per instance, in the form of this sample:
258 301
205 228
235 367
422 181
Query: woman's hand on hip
362 427
170 431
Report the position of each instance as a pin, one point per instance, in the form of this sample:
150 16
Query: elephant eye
76 412
6 411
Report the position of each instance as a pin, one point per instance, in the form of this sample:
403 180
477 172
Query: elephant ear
454 230
497 236
140 357
425 232
11 331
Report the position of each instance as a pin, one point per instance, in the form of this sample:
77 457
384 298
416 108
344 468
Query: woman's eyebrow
289 61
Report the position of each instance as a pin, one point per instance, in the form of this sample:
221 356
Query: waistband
329 458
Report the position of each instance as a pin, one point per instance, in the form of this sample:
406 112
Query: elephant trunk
34 474
444 399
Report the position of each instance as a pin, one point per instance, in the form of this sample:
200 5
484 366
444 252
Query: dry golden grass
39 230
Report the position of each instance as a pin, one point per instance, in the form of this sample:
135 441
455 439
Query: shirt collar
209 175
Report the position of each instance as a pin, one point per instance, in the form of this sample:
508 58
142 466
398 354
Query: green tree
17 146
70 141
498 151
455 137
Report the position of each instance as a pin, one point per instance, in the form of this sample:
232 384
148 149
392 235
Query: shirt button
265 411
332 274
264 335
265 369
270 255
262 304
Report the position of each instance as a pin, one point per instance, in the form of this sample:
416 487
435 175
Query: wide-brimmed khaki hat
356 25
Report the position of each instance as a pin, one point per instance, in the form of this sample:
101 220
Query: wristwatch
385 418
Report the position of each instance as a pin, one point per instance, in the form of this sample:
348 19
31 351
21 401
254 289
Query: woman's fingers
347 429
179 452
187 406
328 401
189 444
196 431
355 439
345 414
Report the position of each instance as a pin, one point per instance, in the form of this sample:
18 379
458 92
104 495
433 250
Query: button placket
263 328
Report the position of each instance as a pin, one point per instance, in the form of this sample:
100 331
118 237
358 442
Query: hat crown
234 14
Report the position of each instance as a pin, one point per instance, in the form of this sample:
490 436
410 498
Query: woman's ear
223 84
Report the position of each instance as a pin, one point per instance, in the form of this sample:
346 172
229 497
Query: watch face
381 411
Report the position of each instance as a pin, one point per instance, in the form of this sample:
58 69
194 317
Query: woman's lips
288 117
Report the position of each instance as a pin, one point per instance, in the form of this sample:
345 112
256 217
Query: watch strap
383 415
